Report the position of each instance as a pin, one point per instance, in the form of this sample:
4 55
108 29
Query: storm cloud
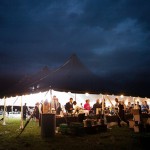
110 37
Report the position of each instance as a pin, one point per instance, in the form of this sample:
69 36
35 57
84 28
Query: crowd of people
143 107
73 107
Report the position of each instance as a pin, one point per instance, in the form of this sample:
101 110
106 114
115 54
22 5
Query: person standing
25 110
54 103
58 107
76 107
87 105
40 111
145 107
96 106
69 106
121 112
36 112
129 108
138 106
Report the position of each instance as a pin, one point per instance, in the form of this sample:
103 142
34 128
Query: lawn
116 138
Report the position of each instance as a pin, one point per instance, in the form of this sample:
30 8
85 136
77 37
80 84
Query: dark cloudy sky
111 37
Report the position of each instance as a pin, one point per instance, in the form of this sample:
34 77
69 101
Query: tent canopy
72 76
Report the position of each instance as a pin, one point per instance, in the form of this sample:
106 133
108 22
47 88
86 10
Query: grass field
114 139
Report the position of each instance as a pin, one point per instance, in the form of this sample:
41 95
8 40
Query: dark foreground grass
114 139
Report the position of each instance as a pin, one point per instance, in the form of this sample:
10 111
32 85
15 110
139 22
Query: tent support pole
21 123
4 112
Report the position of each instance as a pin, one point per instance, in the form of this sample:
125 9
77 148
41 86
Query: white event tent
63 97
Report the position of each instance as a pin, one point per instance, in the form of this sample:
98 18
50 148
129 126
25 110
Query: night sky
111 37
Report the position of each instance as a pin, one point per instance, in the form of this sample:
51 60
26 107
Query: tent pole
12 108
4 112
134 101
50 92
102 104
103 110
21 123
75 96
14 103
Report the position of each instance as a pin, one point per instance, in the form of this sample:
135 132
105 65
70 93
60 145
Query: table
66 119
127 117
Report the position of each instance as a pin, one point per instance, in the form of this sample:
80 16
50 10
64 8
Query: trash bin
48 125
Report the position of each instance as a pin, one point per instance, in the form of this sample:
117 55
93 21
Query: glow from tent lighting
64 98
121 96
51 90
148 101
47 96
87 94
126 101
